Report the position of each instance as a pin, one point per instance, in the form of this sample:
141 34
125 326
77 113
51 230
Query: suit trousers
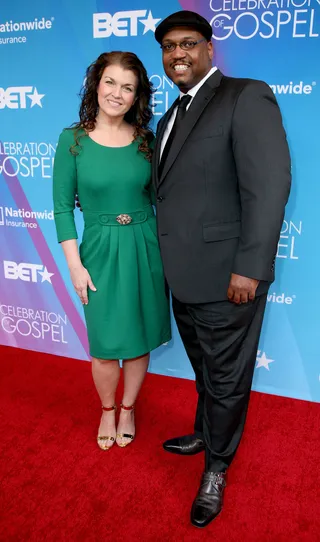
221 340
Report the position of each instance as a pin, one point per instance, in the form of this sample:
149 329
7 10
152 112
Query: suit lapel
198 105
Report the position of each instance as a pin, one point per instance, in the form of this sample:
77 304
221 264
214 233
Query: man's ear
210 49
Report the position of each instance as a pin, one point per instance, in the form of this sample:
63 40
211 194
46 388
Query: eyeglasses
185 45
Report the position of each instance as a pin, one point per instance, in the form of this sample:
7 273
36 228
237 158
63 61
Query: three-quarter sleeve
64 188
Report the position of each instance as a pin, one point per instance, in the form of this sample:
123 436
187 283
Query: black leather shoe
187 445
208 503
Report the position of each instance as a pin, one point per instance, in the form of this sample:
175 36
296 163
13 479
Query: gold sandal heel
125 435
102 438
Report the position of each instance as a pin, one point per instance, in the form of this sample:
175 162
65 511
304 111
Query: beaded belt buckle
124 219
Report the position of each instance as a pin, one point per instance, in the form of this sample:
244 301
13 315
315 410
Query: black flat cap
184 18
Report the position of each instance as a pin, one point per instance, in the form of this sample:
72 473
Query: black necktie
182 109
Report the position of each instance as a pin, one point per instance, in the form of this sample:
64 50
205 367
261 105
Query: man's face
186 67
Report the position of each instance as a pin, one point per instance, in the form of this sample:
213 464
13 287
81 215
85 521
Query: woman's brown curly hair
140 113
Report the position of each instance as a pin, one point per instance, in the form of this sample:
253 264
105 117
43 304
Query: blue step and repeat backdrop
45 48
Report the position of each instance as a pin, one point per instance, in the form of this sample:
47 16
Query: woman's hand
81 280
79 275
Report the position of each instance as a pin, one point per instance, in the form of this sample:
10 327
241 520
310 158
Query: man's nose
178 53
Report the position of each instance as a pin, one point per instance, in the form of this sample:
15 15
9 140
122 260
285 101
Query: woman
117 272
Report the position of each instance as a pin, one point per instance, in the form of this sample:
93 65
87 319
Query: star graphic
149 23
46 275
36 98
263 361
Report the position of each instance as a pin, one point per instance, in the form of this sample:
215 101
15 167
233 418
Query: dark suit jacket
222 193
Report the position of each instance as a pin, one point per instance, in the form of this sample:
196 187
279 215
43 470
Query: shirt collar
193 91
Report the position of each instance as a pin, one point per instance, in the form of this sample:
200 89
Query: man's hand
242 289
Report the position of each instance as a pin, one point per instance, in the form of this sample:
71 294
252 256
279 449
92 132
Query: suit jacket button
160 199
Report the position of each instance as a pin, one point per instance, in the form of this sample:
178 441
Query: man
221 171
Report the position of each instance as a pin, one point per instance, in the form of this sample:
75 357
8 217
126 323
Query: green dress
128 315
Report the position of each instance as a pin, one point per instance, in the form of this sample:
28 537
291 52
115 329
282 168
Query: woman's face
117 91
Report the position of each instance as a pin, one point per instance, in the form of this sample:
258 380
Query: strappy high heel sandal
101 439
125 435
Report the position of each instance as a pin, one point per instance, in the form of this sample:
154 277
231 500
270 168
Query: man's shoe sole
206 523
182 453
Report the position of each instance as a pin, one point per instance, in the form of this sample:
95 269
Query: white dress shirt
192 92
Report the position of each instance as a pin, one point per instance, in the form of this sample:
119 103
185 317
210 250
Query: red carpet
57 486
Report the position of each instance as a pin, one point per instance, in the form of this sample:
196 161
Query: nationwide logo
265 19
263 360
16 97
123 23
293 88
28 272
21 218
13 27
281 299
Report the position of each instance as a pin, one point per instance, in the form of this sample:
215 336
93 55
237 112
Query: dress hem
125 356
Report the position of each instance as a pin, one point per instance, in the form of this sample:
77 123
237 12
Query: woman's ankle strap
131 407
108 409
